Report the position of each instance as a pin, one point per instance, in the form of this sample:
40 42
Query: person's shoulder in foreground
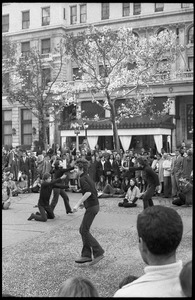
160 232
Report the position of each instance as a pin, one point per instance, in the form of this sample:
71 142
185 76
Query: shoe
83 260
96 260
69 212
31 217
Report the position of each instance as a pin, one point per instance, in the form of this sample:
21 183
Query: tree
129 67
28 83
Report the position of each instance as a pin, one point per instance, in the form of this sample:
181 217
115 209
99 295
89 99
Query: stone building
43 24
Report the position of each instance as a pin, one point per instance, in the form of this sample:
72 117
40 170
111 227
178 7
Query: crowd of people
131 176
115 173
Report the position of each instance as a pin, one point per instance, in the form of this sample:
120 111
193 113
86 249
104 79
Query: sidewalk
38 256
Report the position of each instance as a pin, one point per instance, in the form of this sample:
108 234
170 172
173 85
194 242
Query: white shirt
166 167
158 281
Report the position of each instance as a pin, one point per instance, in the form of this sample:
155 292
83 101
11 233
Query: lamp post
85 128
77 131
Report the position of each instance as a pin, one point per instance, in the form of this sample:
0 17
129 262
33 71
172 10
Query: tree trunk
42 133
114 127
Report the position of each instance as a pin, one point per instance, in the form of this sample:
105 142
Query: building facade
43 24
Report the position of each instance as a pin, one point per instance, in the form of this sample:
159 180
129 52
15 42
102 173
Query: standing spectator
14 164
24 166
108 169
160 174
40 161
77 287
33 166
100 167
56 147
91 204
152 181
65 148
167 175
187 164
46 164
93 169
73 149
176 170
58 172
116 166
160 232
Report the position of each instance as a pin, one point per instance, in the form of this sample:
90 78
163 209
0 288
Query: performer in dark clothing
43 204
90 201
58 172
152 180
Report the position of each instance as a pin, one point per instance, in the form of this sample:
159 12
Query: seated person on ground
185 193
22 184
132 195
35 188
5 192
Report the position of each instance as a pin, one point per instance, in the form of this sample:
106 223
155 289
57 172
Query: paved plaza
38 257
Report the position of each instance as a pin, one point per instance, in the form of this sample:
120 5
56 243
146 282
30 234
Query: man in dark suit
24 166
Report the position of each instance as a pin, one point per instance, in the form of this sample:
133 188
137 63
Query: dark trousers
147 197
90 244
181 200
167 186
45 213
62 193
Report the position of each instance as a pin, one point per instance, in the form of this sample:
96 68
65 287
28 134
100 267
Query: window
64 14
7 127
136 8
191 35
73 14
25 48
105 11
76 74
45 46
46 77
25 19
45 16
159 7
83 13
5 23
163 69
6 83
131 66
126 9
68 114
189 113
185 5
190 63
26 127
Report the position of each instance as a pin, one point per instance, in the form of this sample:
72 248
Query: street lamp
77 131
85 128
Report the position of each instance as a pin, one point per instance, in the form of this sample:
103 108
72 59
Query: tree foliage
117 64
28 82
